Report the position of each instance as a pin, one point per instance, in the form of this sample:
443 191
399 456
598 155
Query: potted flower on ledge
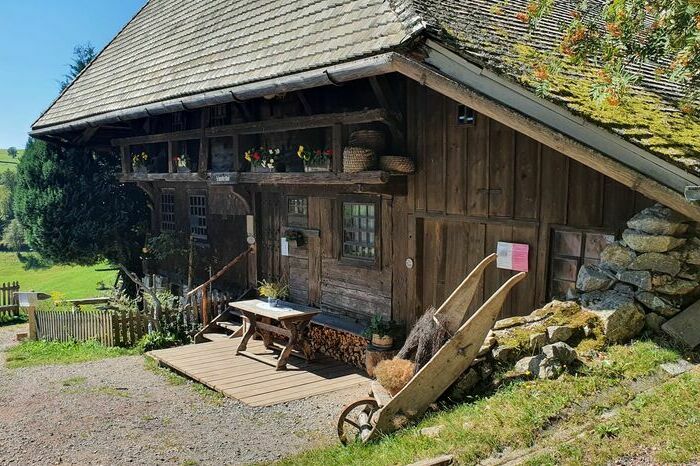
139 162
315 160
381 332
262 160
273 291
181 164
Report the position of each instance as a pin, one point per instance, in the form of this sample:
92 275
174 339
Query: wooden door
267 220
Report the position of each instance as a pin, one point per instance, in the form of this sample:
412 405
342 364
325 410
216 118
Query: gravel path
115 411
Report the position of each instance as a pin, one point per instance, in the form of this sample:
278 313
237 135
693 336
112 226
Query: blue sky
36 44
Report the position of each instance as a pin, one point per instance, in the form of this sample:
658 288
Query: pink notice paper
512 256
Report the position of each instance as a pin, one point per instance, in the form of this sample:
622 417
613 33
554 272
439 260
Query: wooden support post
205 305
171 156
252 255
126 160
235 148
31 313
204 142
337 138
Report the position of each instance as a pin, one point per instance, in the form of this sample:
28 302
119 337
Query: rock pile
645 278
539 345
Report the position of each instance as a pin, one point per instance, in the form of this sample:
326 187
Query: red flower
256 155
318 152
329 152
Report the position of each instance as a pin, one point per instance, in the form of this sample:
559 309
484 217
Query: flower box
324 166
258 169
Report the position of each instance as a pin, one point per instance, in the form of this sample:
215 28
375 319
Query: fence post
31 312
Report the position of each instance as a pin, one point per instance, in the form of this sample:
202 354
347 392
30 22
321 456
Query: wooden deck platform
252 378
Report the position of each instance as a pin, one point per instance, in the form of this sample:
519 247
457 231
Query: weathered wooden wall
477 185
226 226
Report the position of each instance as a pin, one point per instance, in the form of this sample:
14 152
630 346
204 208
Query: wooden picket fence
110 327
8 302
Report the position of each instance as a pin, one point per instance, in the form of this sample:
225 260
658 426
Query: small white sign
284 247
512 256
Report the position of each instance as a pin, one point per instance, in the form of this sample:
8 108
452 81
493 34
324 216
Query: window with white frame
167 210
198 216
359 230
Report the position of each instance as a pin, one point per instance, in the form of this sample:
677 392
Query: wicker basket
394 163
368 138
357 159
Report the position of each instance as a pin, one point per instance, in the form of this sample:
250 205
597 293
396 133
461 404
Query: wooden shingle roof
175 48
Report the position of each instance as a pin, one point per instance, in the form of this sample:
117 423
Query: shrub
158 340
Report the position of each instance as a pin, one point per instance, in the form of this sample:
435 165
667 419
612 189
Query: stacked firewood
343 346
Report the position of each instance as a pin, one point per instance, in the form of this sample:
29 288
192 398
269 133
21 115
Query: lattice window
297 211
198 216
359 230
569 251
167 210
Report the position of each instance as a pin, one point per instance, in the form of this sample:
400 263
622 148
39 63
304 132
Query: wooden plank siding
479 184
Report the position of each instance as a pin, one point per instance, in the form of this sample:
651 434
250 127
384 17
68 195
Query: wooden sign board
512 256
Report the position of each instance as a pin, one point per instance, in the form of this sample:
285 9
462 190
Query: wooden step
235 329
216 336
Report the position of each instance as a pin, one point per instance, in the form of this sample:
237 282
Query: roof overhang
331 75
484 91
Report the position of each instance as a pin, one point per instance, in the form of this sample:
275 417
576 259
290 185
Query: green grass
7 162
42 353
61 281
663 425
513 417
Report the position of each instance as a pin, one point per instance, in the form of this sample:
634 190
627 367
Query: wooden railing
205 303
8 300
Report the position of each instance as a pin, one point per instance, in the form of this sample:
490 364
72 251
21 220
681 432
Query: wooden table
293 320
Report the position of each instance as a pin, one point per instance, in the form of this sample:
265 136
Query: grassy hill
7 162
61 281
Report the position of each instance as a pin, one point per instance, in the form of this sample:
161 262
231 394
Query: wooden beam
385 96
87 135
305 103
160 137
324 120
547 136
337 147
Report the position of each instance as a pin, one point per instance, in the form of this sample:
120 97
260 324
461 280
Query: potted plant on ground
262 159
381 332
273 291
139 162
315 160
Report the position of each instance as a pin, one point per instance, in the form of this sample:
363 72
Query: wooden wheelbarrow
381 414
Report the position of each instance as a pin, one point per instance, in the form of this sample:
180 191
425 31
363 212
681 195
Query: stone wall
645 278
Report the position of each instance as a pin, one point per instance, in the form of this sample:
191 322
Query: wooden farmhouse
484 148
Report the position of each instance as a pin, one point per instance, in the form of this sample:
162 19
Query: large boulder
639 278
643 242
592 278
657 304
617 257
561 352
677 286
621 318
657 262
659 220
685 327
